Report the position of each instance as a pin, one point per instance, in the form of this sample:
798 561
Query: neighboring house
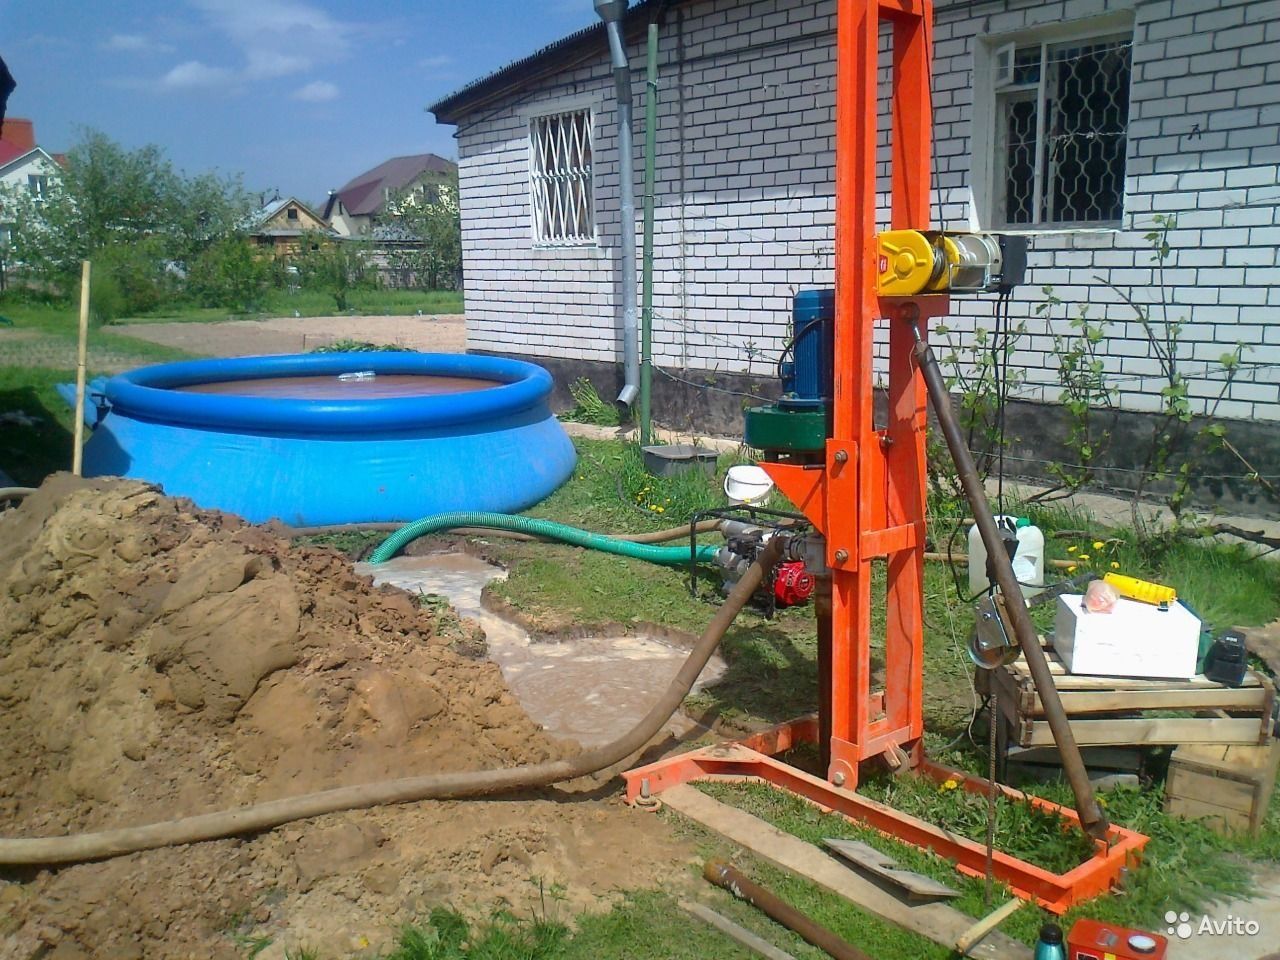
283 225
24 166
1076 122
354 210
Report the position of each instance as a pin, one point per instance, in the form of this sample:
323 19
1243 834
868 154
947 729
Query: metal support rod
723 875
1092 818
646 308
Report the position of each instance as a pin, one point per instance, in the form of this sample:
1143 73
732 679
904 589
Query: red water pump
792 584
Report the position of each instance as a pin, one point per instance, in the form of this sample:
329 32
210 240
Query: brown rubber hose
438 786
656 536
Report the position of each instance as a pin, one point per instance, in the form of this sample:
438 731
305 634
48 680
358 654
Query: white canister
1028 560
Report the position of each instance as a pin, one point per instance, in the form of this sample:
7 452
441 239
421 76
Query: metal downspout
612 12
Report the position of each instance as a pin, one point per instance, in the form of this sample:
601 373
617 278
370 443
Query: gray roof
587 44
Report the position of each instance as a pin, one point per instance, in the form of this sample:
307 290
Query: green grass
36 353
310 303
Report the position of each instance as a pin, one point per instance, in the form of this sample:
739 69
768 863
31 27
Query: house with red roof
355 209
23 166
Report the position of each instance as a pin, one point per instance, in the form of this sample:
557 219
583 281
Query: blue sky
296 95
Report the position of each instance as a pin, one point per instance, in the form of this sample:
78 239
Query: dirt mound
158 661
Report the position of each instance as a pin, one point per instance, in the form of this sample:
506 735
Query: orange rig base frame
754 760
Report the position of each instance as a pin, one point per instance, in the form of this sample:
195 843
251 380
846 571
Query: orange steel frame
868 498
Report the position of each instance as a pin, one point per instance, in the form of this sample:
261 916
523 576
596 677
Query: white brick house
1171 106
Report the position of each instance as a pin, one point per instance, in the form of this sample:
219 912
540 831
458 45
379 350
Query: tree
335 267
436 262
130 201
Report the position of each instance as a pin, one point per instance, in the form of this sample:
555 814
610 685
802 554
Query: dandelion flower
1098 544
1071 549
1115 565
1083 556
951 784
661 509
1071 569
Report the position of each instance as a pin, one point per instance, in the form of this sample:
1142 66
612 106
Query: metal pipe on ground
1092 819
442 786
769 903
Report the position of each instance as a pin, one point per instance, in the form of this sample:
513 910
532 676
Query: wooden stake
988 923
77 454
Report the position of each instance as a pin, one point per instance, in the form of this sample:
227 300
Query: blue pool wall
310 462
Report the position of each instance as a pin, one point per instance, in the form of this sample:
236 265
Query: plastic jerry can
1028 559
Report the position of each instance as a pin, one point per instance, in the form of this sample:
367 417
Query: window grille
561 194
1062 116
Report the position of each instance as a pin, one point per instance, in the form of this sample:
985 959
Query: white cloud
134 43
194 75
277 37
271 39
433 63
317 91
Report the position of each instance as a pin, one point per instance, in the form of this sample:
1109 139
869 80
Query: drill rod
1092 819
769 903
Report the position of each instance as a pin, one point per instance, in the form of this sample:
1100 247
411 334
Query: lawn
772 676
37 352
310 303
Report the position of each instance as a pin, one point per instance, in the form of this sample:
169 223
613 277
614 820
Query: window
560 183
1061 116
291 213
38 184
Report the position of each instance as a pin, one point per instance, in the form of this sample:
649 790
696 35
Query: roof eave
587 44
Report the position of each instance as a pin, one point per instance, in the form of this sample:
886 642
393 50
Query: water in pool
344 387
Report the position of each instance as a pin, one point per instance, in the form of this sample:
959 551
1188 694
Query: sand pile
158 661
155 657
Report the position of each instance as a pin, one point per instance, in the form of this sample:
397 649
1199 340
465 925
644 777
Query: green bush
126 280
230 274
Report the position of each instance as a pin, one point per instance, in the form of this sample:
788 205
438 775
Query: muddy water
592 689
380 387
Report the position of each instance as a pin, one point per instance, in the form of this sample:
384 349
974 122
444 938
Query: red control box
1091 940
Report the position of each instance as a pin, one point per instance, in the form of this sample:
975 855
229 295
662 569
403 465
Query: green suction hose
664 556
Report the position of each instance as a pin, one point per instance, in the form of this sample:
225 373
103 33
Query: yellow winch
915 262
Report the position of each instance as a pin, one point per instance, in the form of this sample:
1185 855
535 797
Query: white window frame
38 186
540 114
993 61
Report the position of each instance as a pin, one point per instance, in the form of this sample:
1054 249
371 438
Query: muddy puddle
589 689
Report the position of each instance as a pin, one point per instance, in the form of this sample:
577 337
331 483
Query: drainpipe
650 161
612 12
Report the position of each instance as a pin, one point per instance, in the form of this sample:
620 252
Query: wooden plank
1098 733
1113 701
738 934
917 886
1073 681
936 921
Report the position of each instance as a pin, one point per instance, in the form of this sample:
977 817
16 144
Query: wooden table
1117 711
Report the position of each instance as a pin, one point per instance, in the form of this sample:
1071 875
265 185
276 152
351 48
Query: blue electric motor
808 378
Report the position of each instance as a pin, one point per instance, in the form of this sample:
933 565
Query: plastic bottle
1028 560
1049 946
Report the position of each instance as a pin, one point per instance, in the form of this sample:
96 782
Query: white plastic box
1133 640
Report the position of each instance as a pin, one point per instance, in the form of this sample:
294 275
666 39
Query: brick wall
746 213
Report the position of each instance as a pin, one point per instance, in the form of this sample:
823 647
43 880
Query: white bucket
747 483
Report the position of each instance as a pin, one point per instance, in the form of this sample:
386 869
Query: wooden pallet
1117 711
